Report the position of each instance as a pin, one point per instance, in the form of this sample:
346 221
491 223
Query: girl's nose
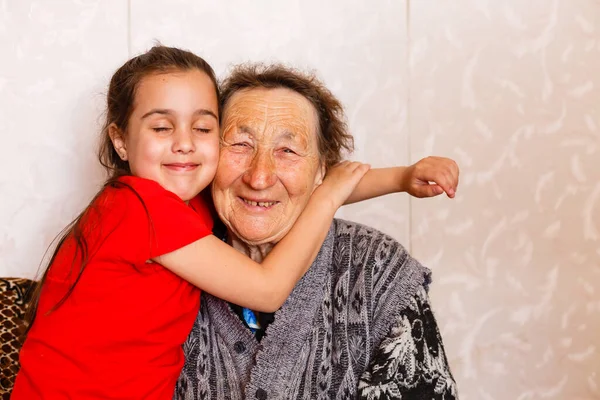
183 142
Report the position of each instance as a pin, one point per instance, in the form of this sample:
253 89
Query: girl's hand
340 181
430 177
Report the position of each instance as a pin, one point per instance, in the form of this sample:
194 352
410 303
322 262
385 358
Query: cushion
13 298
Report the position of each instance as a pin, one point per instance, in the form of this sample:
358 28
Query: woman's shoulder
366 254
351 234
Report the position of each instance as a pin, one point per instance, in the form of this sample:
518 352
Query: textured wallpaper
510 89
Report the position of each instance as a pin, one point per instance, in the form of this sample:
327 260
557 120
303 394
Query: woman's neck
255 252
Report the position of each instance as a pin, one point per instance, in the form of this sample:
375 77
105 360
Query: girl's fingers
429 191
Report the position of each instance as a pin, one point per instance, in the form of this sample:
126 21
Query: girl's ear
116 137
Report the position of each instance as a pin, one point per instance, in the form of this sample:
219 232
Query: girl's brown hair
119 107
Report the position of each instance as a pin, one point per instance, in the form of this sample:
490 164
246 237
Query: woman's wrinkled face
269 163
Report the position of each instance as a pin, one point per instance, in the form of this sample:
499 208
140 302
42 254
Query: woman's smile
258 204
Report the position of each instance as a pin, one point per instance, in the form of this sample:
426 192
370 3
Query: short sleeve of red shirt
146 221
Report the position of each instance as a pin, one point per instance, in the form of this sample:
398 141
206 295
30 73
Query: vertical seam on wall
408 119
129 29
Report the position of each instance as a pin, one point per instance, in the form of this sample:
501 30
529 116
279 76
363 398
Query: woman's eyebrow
246 129
287 134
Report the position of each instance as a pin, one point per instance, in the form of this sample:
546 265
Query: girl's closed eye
160 129
202 129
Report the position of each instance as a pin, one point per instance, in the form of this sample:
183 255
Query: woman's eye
203 130
287 150
241 144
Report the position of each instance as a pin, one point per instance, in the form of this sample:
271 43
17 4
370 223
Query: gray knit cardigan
357 325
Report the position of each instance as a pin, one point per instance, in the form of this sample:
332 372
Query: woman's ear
320 175
116 137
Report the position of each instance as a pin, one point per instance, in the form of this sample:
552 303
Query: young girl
121 292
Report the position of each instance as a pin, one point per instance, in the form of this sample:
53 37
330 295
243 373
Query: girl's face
173 132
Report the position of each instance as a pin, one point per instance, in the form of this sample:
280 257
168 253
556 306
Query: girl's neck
255 252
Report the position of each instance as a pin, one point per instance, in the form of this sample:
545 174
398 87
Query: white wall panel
57 57
511 89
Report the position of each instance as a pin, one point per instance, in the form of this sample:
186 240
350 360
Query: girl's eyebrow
166 111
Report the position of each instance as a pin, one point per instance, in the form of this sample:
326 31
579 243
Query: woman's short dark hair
333 136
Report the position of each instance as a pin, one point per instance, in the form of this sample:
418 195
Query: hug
210 264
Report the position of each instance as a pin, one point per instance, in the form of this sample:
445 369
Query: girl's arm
224 272
443 172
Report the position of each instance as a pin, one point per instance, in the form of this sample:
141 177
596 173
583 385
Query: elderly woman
359 323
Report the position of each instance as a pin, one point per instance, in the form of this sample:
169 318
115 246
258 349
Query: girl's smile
181 167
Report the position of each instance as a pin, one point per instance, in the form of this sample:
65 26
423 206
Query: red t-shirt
119 334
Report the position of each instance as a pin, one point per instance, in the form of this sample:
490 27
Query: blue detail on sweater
250 319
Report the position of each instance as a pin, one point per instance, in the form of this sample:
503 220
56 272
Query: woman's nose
261 173
183 141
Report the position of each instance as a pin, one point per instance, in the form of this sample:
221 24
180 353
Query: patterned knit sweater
358 324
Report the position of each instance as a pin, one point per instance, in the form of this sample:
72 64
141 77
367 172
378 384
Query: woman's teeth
259 203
